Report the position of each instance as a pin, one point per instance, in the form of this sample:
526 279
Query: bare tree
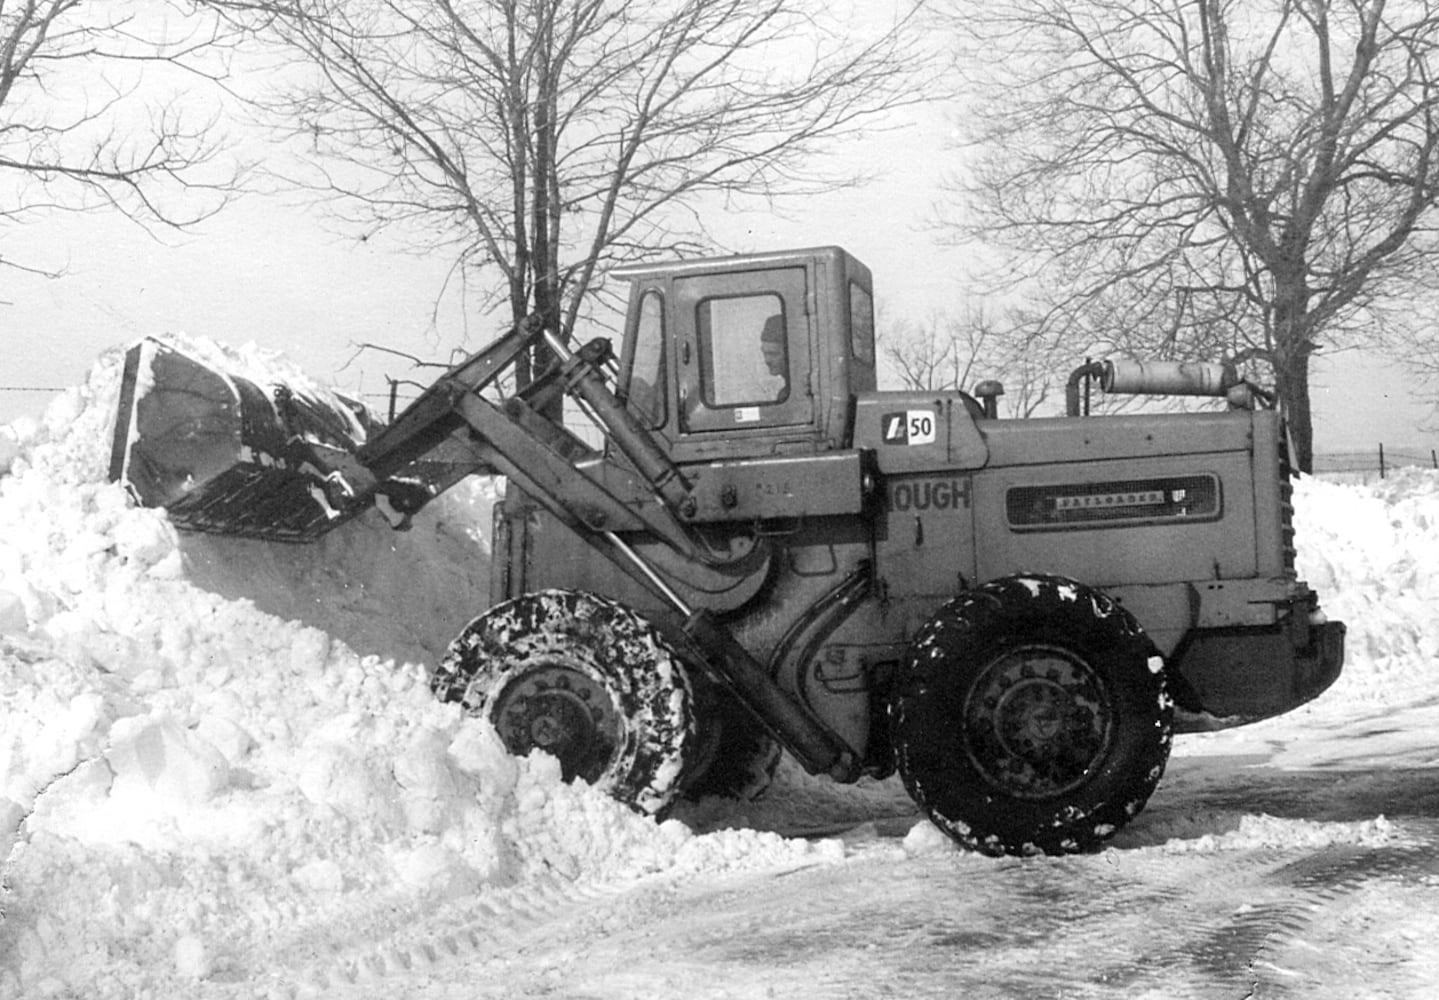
956 352
1202 177
927 355
550 138
79 131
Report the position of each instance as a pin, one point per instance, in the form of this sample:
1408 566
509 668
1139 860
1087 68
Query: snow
208 740
221 766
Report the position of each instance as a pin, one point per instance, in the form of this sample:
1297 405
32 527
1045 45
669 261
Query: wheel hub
1038 722
562 711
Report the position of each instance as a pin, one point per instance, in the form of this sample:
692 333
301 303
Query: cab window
742 353
744 358
645 380
861 323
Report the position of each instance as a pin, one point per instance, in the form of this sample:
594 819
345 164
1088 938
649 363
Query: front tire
1031 715
584 679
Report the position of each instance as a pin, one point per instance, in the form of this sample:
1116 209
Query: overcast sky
272 273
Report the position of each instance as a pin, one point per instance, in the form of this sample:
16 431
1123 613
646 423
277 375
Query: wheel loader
761 552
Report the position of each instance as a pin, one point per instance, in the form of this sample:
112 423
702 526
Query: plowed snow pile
209 745
211 748
1370 553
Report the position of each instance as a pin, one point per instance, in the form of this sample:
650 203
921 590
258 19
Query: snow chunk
1264 831
13 619
9 447
145 538
158 758
192 959
926 838
435 871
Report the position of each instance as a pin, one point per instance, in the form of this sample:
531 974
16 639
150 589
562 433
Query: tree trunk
1291 377
1292 349
518 123
545 253
1294 394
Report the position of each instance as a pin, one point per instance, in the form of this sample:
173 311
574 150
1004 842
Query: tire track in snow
1275 923
472 934
396 946
1316 946
1184 926
1279 940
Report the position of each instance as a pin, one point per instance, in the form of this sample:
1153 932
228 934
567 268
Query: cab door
744 347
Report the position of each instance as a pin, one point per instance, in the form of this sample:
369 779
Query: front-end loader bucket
221 454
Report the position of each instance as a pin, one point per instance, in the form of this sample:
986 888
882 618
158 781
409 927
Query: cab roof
734 262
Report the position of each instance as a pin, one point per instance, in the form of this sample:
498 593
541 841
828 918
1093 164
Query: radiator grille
1171 499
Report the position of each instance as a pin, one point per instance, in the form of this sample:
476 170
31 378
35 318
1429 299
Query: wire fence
1378 463
23 400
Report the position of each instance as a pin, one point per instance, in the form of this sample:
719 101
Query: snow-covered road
1272 866
1297 922
221 775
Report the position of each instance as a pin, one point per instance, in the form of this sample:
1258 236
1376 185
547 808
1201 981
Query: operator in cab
775 382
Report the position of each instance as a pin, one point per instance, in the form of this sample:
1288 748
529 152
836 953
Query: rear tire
1031 715
584 679
741 762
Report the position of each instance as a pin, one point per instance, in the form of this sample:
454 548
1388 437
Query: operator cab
748 355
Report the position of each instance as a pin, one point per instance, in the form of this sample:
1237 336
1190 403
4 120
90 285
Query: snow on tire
1031 715
585 679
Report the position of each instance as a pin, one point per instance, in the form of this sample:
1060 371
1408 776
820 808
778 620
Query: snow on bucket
222 454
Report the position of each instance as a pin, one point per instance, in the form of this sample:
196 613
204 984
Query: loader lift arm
454 422
516 440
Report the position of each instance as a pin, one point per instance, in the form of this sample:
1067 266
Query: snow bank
209 745
1370 553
